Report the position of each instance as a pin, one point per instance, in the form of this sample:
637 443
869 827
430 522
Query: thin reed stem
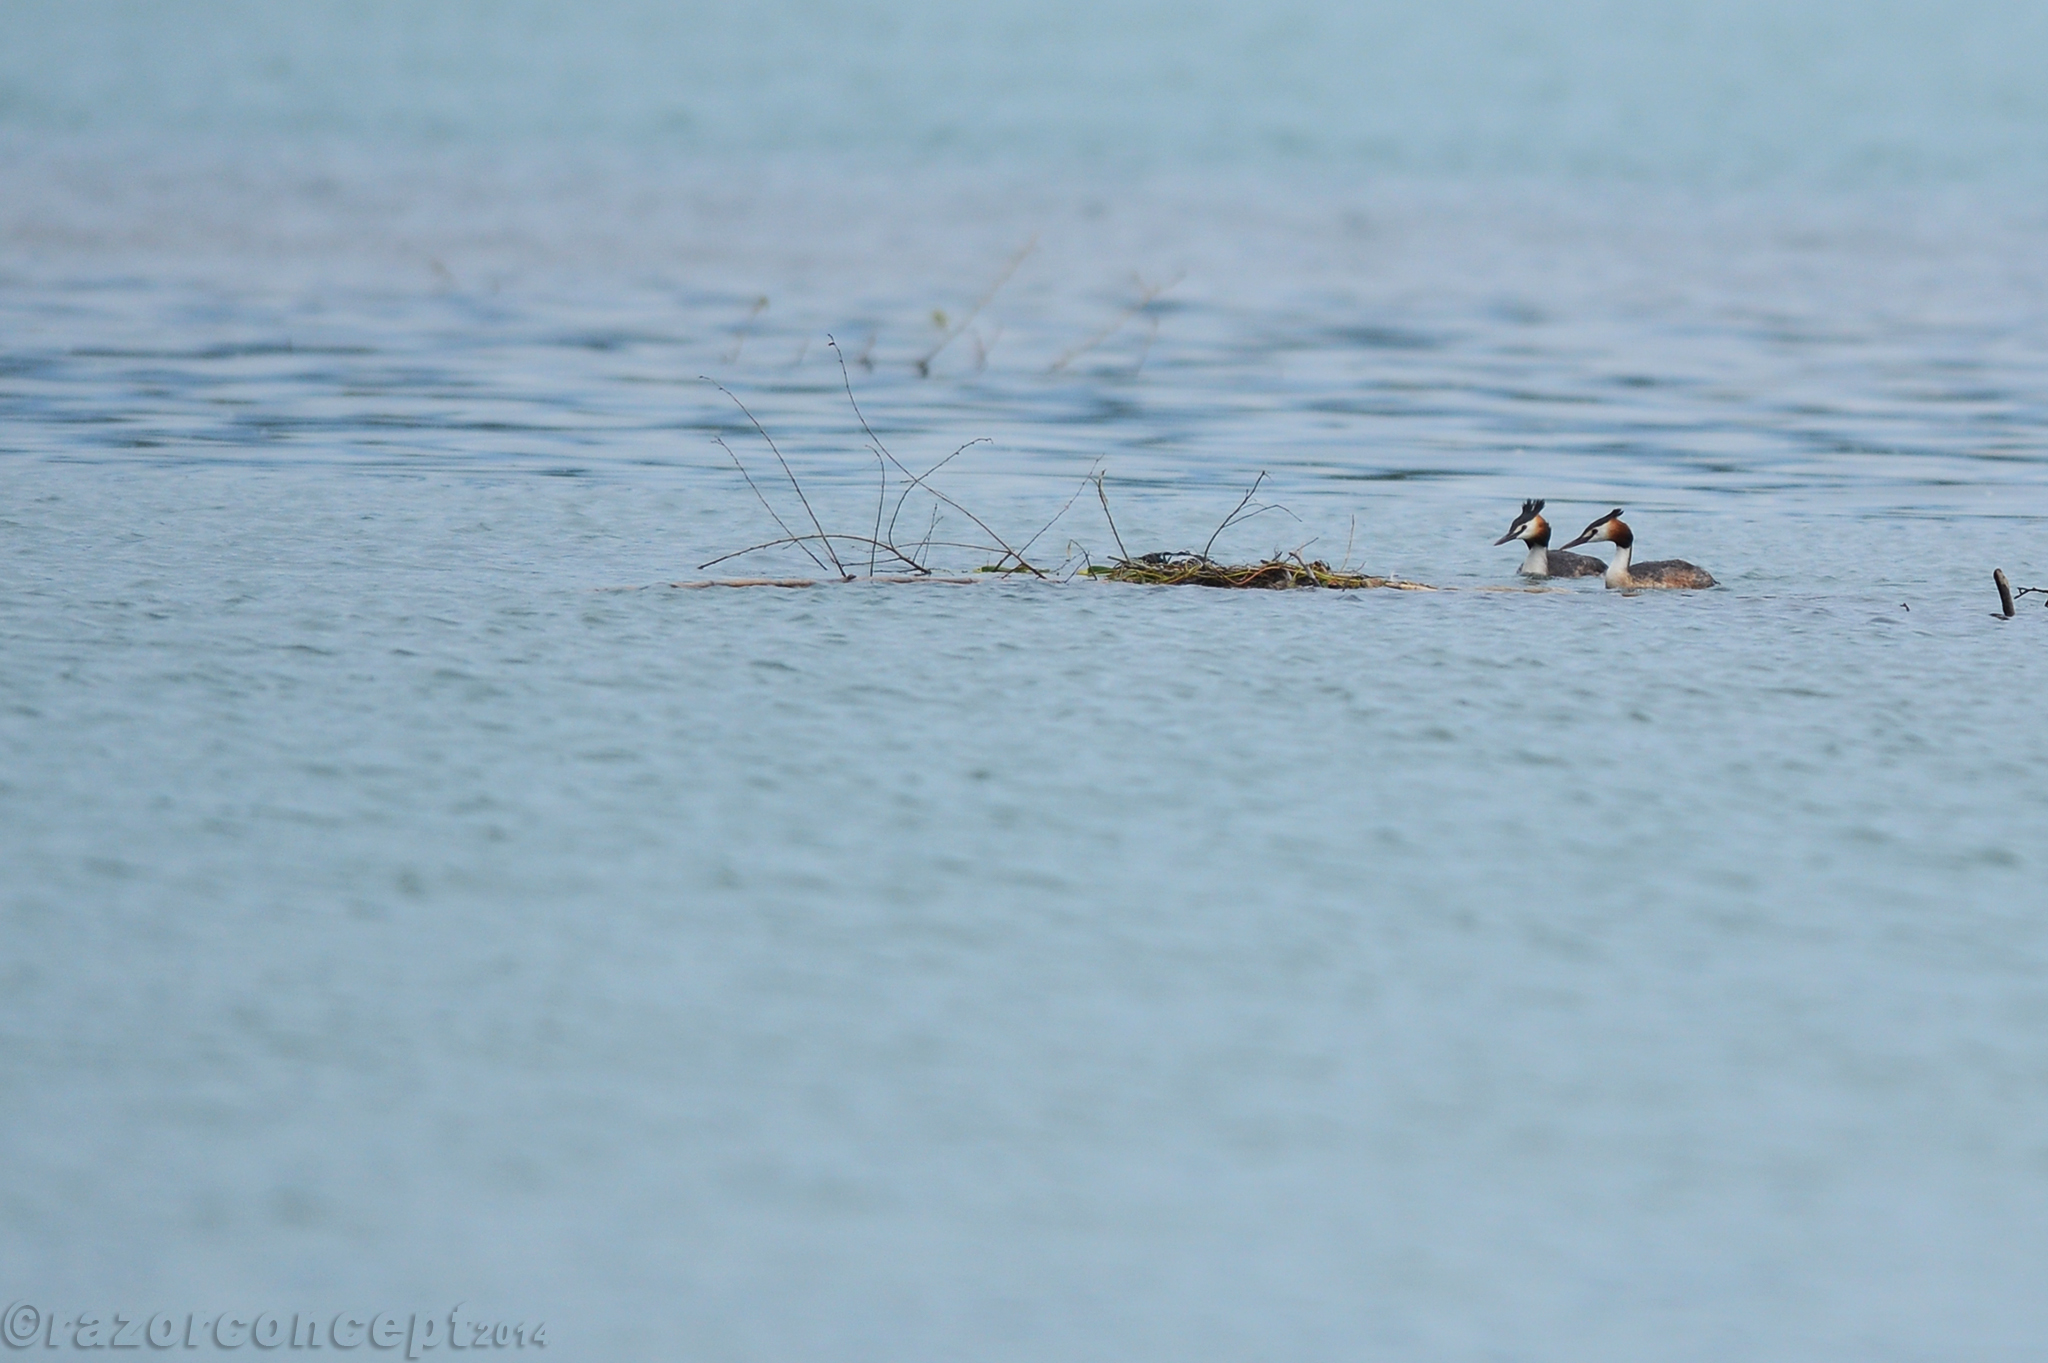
787 472
924 365
881 493
1232 517
740 341
1122 552
919 480
1063 510
719 441
1146 293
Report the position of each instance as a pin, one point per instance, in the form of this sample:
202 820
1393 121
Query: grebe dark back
1624 573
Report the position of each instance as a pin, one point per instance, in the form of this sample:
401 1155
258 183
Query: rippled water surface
410 897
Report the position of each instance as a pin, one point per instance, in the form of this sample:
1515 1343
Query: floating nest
1181 569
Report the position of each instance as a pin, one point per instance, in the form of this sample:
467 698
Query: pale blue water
394 913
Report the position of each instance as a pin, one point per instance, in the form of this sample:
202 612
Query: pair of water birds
1543 561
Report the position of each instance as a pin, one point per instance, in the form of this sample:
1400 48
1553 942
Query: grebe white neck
1617 571
1538 562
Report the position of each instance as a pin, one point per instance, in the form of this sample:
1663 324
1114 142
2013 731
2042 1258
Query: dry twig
924 364
1146 293
740 340
787 472
919 480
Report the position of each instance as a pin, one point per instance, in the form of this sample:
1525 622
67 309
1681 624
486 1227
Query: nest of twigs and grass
1175 568
1185 568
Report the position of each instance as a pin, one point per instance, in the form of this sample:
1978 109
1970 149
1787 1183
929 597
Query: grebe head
1608 527
1528 526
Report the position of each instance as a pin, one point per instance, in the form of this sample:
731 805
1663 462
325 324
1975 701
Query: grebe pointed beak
1510 535
1581 539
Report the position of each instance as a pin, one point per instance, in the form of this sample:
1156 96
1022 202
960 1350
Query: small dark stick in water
2004 591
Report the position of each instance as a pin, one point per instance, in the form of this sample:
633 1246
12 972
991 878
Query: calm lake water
408 898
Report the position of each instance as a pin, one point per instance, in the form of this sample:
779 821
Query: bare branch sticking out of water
1145 351
924 363
1235 514
787 472
1146 294
922 480
882 542
1121 552
1092 477
918 481
740 340
790 536
983 347
881 495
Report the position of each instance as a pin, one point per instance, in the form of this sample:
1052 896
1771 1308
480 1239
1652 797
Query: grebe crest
1543 561
1624 573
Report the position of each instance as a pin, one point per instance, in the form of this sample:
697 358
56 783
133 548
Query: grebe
1666 572
1543 561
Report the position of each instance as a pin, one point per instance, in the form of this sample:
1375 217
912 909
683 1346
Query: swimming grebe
1666 572
1543 561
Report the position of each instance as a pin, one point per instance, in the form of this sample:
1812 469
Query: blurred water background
395 914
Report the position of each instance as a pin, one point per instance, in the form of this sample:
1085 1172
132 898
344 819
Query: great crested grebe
1543 561
1665 572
